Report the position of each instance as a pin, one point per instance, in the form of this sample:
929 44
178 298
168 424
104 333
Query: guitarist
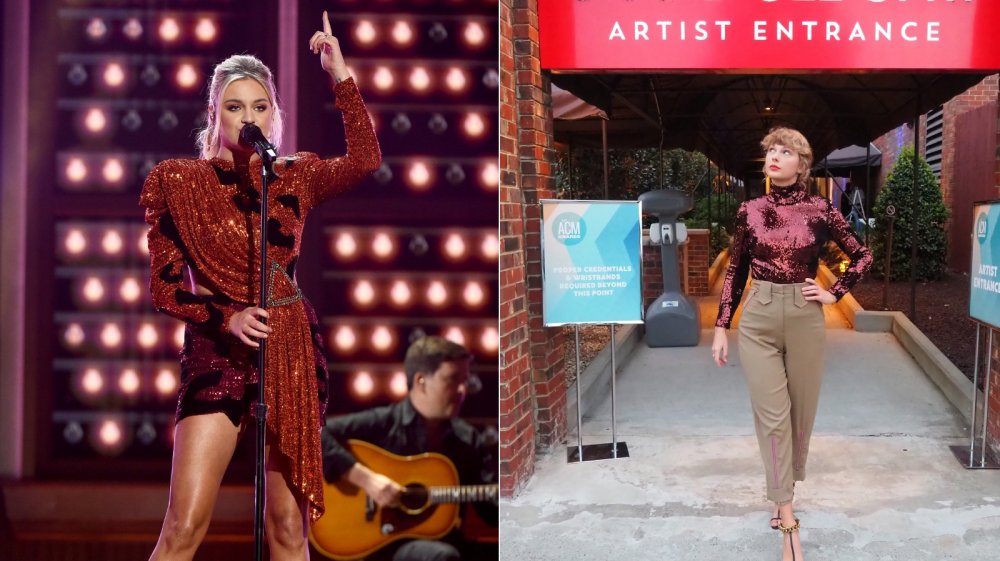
437 373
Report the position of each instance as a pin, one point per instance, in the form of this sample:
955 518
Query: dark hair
427 353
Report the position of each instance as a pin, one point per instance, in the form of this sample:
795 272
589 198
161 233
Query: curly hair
791 138
237 67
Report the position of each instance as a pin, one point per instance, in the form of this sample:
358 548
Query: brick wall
533 391
697 252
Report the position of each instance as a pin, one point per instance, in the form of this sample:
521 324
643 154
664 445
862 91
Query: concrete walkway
882 481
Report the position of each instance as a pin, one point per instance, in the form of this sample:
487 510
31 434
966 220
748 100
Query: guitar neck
464 494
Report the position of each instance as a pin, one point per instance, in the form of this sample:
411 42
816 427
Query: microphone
251 135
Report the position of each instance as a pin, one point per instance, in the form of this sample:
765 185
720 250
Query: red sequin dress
778 238
205 215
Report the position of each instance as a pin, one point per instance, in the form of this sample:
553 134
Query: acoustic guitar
354 526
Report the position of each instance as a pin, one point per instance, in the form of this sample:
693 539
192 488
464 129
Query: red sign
761 35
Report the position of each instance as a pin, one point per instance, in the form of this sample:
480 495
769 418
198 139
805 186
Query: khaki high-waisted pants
781 342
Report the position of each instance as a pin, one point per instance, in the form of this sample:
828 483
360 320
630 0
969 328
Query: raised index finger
326 24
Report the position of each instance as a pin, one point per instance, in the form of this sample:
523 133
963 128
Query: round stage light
93 289
130 290
205 30
383 246
97 29
383 78
76 242
397 385
489 340
455 335
113 171
147 336
382 338
74 335
76 170
169 29
364 293
474 125
166 381
400 293
92 382
437 294
365 32
345 245
114 75
111 335
363 385
455 79
419 176
454 246
132 28
112 242
345 339
474 34
420 80
473 294
144 242
128 381
95 121
402 33
490 247
489 177
179 336
109 435
187 76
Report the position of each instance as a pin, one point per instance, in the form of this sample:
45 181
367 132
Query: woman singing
204 246
777 241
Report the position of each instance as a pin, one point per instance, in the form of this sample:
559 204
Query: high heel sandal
788 531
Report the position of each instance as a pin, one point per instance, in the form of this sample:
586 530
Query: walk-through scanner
673 319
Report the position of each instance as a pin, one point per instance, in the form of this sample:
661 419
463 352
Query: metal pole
915 214
614 373
975 399
258 521
986 395
868 189
579 408
604 146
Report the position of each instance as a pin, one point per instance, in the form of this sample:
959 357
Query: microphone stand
258 518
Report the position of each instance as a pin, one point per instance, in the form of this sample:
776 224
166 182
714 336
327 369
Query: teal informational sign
984 295
591 262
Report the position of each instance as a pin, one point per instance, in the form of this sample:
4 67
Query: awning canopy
850 158
726 115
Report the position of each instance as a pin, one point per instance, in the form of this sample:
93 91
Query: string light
187 76
95 121
147 336
490 175
132 28
114 75
91 381
113 171
111 335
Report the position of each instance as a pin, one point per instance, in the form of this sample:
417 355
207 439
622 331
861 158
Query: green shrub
931 242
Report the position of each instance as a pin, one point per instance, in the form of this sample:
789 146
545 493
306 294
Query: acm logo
981 224
569 228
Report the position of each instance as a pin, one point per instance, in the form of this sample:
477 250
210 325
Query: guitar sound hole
415 497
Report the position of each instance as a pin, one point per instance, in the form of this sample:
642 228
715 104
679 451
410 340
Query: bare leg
203 447
792 547
284 516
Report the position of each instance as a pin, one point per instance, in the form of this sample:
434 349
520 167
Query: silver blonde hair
237 67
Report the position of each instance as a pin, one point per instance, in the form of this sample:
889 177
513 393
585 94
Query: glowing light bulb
92 382
474 34
132 28
383 78
113 170
437 294
165 382
402 33
147 336
76 242
97 29
490 340
382 245
490 176
382 338
114 75
364 293
420 80
363 384
111 335
144 242
112 242
76 170
345 339
179 336
345 245
400 293
187 76
455 79
205 30
169 30
419 175
110 433
490 246
474 125
397 385
130 290
95 120
454 246
128 381
74 335
455 335
365 32
473 294
93 289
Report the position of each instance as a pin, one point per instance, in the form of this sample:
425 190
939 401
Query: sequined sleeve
167 263
325 179
738 271
861 257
